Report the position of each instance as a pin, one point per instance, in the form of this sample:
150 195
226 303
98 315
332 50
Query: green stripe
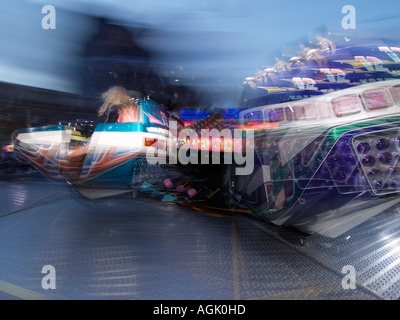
340 130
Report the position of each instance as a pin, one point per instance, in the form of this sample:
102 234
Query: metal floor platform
146 249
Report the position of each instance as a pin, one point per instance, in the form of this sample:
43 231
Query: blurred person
119 106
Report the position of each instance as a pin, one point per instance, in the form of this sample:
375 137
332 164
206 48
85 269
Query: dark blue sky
234 37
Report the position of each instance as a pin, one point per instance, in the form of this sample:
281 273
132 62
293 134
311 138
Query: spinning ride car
104 159
331 162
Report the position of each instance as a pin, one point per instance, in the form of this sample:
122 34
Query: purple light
390 171
374 173
396 183
382 144
363 147
368 161
378 184
385 157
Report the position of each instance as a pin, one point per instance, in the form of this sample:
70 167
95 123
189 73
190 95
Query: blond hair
117 97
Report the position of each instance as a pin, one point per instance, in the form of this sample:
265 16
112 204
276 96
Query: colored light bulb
390 171
385 157
363 147
374 173
368 161
382 144
378 184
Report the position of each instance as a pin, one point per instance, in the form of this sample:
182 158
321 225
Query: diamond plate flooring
145 249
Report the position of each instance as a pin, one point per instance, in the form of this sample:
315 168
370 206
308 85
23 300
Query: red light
346 105
289 113
149 141
378 98
276 115
306 112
